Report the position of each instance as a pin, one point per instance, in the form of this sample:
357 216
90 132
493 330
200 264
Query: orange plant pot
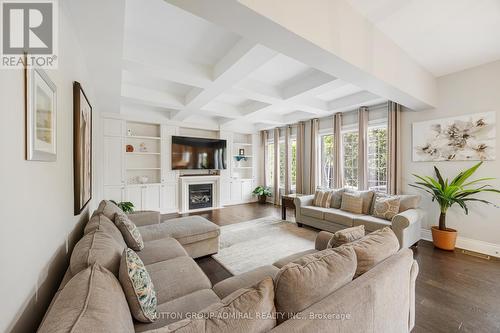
444 239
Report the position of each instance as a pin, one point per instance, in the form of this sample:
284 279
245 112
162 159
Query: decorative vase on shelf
142 179
129 132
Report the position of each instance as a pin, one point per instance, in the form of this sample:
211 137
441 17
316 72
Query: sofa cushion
340 217
244 280
346 236
283 261
386 207
235 313
130 232
311 278
138 287
313 211
108 209
98 247
367 199
176 309
105 224
322 198
93 299
373 248
161 250
371 223
352 203
177 277
186 230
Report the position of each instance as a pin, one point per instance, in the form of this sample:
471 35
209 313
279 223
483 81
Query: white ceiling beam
244 58
177 70
356 99
151 97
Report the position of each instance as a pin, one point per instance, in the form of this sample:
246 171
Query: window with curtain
282 161
270 164
327 160
293 163
350 150
377 157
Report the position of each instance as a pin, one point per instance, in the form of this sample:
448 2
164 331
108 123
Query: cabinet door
113 161
246 189
236 193
169 198
115 193
151 197
225 192
134 195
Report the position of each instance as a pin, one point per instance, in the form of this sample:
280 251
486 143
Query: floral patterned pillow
386 207
138 287
129 231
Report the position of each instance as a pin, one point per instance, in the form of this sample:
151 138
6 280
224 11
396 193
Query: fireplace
200 196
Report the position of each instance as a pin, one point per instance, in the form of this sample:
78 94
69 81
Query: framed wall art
82 148
41 116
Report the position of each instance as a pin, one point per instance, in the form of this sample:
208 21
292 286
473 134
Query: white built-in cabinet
123 170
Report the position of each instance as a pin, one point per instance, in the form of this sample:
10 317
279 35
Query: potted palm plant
459 191
262 192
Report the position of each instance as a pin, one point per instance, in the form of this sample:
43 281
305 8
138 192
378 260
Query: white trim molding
469 244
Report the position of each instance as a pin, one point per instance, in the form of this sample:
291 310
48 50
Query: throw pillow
336 198
367 197
109 209
322 198
138 287
129 232
310 278
408 201
373 248
352 203
386 207
235 313
345 236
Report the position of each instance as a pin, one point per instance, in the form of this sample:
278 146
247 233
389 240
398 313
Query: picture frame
82 148
41 116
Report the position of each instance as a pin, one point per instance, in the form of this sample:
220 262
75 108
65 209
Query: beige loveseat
406 224
91 299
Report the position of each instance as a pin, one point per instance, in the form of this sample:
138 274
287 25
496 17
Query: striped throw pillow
323 198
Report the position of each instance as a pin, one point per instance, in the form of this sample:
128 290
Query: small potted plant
446 194
126 206
262 192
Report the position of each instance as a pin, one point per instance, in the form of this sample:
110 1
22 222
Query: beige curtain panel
363 148
276 185
313 183
288 160
338 166
263 137
300 157
394 183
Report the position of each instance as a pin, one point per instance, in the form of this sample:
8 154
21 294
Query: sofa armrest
305 200
406 218
407 226
322 240
144 217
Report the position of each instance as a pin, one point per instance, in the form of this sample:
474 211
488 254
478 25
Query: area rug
248 245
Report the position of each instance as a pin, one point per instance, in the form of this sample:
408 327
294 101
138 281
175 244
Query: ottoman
196 234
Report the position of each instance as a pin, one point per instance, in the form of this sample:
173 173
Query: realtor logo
29 28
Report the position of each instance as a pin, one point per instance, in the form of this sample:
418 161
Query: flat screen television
198 153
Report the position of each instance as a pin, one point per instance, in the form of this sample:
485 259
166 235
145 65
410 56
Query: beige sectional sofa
90 298
406 224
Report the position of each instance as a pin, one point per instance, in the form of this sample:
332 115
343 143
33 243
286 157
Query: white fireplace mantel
185 181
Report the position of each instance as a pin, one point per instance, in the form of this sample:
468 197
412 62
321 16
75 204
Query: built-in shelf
134 169
143 137
242 144
245 156
141 153
243 167
143 184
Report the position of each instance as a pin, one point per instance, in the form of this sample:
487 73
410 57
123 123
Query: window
350 149
282 161
270 164
327 161
293 162
377 158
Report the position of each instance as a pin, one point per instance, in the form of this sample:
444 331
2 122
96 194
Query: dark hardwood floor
455 292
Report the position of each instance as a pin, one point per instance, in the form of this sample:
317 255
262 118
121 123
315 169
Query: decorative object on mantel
447 193
41 114
143 148
467 138
240 158
82 148
142 179
262 192
126 206
242 152
129 148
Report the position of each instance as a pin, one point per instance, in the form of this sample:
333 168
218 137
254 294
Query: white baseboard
490 249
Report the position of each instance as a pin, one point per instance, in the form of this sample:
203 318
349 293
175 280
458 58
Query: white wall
36 198
471 91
